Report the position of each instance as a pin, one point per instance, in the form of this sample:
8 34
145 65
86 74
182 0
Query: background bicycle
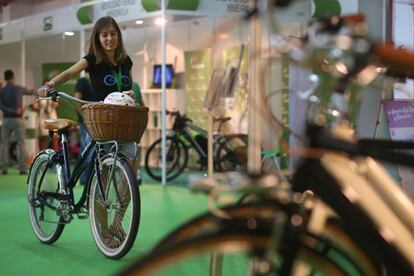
111 198
230 151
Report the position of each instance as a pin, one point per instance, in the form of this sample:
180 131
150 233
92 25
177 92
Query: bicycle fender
49 152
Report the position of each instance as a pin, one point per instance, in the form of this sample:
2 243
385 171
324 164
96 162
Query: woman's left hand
129 93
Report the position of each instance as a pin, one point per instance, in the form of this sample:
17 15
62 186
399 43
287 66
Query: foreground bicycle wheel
242 253
46 223
115 219
177 157
209 222
336 245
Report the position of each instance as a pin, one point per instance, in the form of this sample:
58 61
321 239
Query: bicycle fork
102 189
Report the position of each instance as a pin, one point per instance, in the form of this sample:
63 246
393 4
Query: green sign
85 15
47 23
326 7
155 5
198 68
197 76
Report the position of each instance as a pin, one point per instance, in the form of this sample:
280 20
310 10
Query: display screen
169 75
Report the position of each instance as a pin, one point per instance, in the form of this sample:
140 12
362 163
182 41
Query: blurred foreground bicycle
356 220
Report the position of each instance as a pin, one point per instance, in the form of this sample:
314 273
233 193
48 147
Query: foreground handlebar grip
353 18
398 59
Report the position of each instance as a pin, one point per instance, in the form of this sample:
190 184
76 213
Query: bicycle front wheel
114 207
240 253
176 154
46 222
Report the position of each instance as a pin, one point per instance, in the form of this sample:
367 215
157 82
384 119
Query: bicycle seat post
65 151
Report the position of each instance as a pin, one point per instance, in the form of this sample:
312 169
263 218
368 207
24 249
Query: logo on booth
326 7
47 23
155 5
85 15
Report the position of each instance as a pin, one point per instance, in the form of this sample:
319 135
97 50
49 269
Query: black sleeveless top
106 78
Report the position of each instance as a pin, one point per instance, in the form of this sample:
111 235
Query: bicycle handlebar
395 58
382 150
54 95
173 113
177 114
353 18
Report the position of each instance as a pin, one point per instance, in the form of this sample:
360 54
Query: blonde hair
94 46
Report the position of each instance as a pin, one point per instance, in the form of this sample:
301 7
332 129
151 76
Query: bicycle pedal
82 215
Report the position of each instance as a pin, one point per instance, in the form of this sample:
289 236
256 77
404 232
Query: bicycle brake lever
53 95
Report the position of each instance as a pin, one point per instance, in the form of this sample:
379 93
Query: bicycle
374 213
111 197
230 151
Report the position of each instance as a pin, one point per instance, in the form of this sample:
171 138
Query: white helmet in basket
119 98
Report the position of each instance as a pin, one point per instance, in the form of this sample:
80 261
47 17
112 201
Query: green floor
75 252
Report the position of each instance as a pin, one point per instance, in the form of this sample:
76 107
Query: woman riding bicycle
108 65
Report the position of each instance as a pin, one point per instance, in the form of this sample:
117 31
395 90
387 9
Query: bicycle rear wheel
114 219
177 157
46 223
242 252
231 154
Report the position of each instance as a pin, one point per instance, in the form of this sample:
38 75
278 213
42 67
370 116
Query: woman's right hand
44 89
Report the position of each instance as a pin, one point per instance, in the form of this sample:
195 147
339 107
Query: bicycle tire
177 158
231 155
207 221
210 223
46 223
249 242
115 222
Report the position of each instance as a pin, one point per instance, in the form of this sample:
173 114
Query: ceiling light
139 22
69 33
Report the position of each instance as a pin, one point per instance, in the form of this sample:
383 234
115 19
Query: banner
155 5
400 120
238 108
198 66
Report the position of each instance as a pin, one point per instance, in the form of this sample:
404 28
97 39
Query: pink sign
400 118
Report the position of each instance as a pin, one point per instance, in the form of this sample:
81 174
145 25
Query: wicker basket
115 122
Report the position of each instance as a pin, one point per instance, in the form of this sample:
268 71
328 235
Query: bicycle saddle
58 124
221 119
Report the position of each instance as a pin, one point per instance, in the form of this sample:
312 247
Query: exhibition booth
198 44
284 140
